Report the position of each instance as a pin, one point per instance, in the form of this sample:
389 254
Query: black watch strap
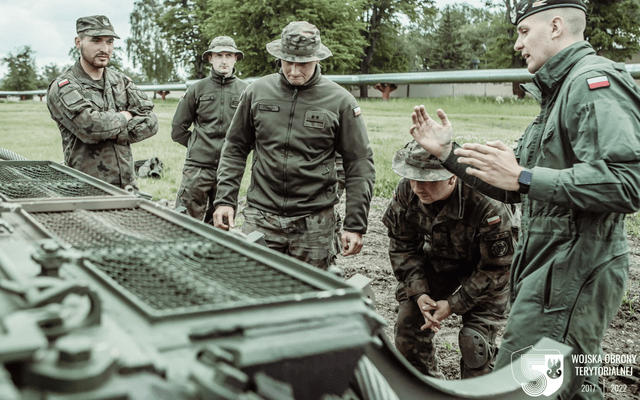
524 180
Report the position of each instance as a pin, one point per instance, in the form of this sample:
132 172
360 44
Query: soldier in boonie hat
300 43
525 8
415 163
222 44
95 25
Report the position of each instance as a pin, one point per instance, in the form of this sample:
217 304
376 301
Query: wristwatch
525 180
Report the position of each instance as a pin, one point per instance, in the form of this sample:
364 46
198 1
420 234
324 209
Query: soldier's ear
77 42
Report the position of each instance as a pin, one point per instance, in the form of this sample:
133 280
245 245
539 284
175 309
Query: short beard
90 61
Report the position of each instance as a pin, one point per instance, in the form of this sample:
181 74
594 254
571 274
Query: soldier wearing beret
576 171
297 121
99 111
209 106
450 249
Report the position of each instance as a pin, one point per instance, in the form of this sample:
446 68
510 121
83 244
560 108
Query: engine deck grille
42 181
164 265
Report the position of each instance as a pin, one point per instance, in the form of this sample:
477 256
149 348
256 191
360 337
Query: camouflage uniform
208 105
308 238
96 138
297 131
458 249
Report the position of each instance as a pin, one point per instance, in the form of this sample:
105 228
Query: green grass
28 130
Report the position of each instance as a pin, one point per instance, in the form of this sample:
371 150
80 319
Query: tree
257 22
49 73
613 28
147 46
382 28
448 52
181 23
22 70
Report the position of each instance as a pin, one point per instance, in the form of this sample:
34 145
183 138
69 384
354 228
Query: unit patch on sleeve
63 82
493 220
499 245
598 82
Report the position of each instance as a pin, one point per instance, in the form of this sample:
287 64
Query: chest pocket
121 100
235 101
95 98
206 104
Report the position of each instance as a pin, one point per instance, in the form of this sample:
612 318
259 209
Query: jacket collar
312 81
218 77
108 76
552 74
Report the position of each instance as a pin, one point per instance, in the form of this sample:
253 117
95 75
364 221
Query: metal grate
42 181
165 265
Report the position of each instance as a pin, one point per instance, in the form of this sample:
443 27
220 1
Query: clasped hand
433 312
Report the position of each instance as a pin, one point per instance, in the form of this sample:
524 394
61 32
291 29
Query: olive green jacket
472 235
96 137
297 131
584 150
208 105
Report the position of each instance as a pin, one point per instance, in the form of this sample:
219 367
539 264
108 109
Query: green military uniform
297 132
571 265
96 137
209 106
458 249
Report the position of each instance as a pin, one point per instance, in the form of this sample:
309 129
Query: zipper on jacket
221 123
286 150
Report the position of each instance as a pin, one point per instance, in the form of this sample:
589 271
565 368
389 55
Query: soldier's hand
427 305
127 115
433 137
351 243
442 311
494 163
223 218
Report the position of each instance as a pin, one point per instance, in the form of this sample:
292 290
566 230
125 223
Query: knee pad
476 351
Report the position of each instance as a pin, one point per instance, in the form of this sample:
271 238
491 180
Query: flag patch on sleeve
598 82
357 111
493 220
62 83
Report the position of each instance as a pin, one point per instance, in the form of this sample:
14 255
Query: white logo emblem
539 372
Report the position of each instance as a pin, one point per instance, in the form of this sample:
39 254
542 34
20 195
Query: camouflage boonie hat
300 43
220 44
415 163
95 25
526 8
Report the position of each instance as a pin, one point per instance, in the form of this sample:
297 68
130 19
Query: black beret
526 8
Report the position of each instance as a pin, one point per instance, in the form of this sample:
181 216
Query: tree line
168 37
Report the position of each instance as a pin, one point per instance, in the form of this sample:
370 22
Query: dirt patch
622 337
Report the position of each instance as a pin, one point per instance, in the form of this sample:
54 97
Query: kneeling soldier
450 249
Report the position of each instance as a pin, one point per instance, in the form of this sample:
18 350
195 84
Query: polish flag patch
357 111
493 220
598 82
539 3
62 83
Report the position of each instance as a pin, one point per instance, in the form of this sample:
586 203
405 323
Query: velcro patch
314 119
499 245
268 107
63 82
598 82
357 111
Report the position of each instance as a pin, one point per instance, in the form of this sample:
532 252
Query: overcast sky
49 26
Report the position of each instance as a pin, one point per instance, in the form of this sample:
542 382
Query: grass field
28 130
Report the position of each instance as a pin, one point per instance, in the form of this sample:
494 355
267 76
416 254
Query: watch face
525 177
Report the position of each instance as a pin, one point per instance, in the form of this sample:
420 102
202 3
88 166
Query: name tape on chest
598 82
